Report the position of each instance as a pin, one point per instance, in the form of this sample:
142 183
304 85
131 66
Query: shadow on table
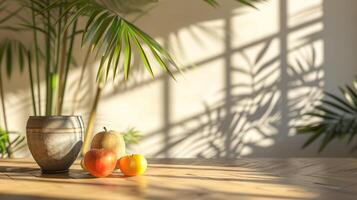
17 161
30 197
218 162
25 172
203 193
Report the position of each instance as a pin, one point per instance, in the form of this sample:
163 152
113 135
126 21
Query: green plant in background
132 136
4 142
7 148
107 34
336 118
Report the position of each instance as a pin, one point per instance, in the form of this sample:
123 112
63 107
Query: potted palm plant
55 139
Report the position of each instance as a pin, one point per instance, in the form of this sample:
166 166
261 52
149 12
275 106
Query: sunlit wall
247 77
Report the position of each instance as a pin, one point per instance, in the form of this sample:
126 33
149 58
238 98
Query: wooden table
189 179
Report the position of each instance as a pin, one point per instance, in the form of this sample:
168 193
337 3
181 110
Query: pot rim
54 116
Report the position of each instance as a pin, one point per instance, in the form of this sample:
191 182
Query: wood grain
189 179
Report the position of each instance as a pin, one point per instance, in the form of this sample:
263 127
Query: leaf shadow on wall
256 116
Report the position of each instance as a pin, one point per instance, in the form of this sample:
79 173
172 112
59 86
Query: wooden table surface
303 178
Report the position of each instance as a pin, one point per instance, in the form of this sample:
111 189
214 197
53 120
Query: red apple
100 162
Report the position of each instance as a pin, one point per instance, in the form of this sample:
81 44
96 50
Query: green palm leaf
336 116
105 29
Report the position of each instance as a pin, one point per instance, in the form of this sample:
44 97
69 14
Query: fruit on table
109 140
132 165
100 162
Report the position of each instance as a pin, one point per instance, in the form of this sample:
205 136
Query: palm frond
112 37
336 118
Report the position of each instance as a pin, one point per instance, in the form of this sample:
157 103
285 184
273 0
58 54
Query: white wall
248 77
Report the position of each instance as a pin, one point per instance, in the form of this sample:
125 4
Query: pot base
54 171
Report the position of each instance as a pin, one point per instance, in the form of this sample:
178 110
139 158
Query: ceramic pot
54 141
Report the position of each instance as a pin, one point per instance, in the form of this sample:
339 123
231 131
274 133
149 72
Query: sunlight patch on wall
250 26
305 59
197 43
302 12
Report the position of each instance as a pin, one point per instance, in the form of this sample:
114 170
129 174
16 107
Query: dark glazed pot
54 141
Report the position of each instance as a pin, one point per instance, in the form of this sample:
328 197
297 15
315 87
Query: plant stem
31 83
58 55
59 27
36 59
69 59
90 126
76 93
48 65
61 70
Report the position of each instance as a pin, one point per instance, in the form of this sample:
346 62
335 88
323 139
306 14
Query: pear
109 140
